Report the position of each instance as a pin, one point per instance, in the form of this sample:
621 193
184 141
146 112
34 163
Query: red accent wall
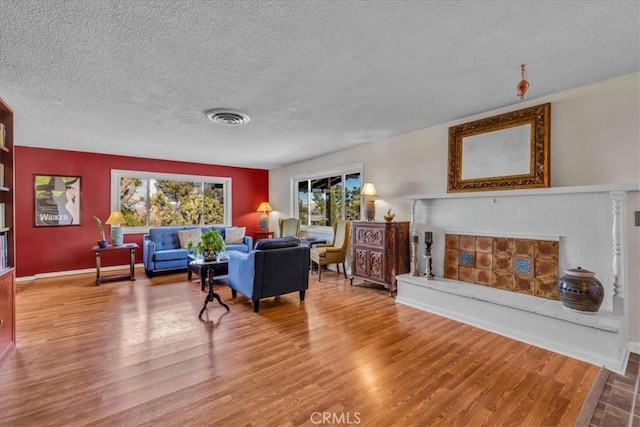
64 248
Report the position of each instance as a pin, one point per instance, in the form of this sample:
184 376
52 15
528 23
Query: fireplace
565 226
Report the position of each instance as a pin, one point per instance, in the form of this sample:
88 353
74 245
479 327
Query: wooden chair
289 227
336 252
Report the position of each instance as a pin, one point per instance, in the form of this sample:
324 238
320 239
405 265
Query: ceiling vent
227 117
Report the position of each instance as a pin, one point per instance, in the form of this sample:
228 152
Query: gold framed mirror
504 152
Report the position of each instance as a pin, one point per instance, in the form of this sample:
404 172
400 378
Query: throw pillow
186 236
234 235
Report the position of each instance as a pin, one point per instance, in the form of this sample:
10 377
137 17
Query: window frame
343 171
117 174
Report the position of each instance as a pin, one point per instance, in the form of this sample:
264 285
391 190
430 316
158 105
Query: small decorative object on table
390 215
104 242
211 242
580 290
414 256
428 241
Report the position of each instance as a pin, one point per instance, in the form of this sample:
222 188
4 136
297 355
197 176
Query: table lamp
264 207
369 192
116 220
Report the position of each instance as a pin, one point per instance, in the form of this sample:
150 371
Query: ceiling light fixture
524 84
227 117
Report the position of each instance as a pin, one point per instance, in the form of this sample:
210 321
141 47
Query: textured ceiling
136 77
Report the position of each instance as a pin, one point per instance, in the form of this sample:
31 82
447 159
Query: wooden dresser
380 251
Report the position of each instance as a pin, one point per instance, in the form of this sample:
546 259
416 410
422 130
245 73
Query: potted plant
211 242
104 242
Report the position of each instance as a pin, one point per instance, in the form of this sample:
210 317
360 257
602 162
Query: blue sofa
274 267
161 249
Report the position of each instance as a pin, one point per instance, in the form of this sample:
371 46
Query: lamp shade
369 190
116 218
264 207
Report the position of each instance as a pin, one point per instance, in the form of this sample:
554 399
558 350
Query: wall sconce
369 193
264 207
115 220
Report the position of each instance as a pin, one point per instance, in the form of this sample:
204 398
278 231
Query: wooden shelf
530 192
7 279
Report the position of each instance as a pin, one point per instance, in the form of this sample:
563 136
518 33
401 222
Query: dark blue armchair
274 267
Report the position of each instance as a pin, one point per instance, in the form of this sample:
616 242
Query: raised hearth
538 321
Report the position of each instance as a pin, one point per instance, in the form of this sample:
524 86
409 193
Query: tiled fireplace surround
570 226
525 266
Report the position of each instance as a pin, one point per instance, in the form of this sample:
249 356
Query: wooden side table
131 247
257 235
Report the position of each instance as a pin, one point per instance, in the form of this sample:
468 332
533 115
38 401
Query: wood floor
135 353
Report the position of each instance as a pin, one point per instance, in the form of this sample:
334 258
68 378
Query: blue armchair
274 267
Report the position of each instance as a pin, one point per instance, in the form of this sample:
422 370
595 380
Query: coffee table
207 271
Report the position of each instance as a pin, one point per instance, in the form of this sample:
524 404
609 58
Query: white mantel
589 222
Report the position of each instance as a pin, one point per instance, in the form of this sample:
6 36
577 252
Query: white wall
595 139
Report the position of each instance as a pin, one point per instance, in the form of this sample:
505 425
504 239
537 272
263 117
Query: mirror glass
503 152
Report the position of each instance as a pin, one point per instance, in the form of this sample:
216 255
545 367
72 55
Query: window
152 199
325 198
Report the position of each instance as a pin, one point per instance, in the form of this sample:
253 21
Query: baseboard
634 347
74 272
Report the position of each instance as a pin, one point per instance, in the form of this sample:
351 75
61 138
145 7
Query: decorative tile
451 256
484 261
451 241
503 245
523 247
483 277
502 262
523 285
546 267
547 249
484 244
466 274
468 243
523 266
466 258
451 271
503 280
546 287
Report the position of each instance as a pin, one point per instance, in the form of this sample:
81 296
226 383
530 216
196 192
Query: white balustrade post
618 206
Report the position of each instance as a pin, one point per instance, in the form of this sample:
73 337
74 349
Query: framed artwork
504 152
58 200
